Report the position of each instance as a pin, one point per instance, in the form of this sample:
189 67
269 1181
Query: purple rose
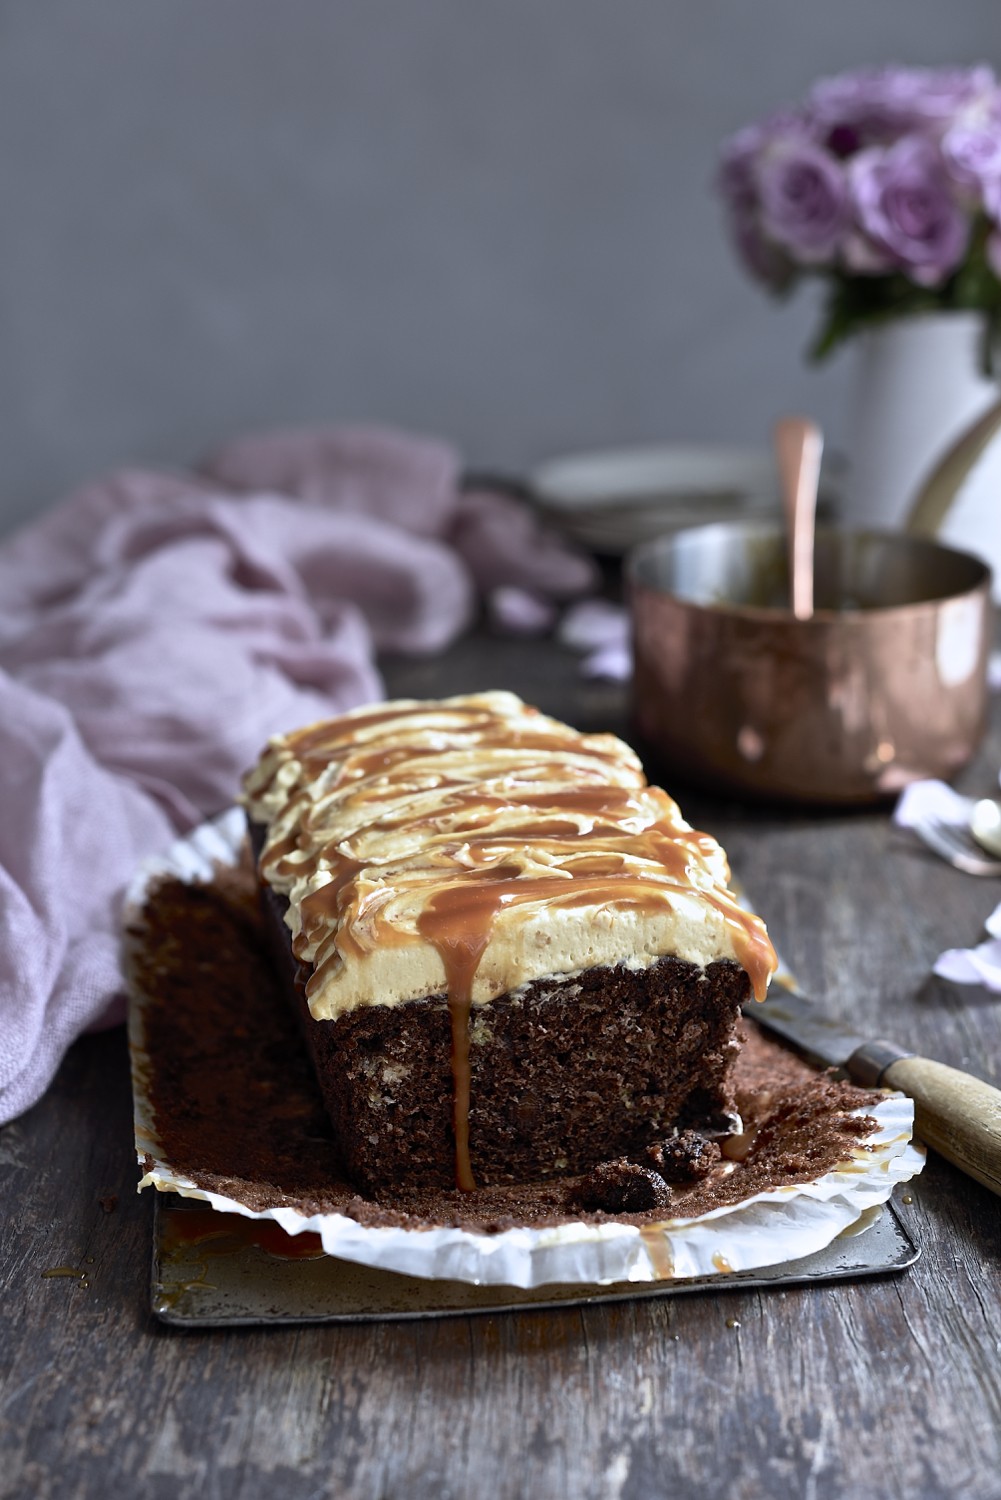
880 170
905 206
876 105
804 200
739 155
738 181
972 153
941 93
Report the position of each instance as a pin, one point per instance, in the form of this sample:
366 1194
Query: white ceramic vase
919 386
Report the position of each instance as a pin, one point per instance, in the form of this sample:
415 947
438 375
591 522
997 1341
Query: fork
955 845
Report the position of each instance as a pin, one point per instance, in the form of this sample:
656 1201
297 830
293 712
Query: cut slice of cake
513 959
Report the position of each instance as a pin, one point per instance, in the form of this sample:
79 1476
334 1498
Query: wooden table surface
872 1389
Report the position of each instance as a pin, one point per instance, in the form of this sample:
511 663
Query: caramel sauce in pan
468 792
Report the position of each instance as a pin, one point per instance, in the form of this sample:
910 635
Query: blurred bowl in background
611 500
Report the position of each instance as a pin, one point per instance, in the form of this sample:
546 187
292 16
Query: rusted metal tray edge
225 1278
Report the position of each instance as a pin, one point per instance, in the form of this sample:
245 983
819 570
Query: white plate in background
610 500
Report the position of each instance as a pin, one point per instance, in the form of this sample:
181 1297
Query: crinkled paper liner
770 1228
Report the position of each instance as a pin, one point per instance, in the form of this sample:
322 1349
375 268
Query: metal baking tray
215 1270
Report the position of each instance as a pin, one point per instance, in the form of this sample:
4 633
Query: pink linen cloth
155 629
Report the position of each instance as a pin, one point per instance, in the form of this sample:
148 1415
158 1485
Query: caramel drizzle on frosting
461 811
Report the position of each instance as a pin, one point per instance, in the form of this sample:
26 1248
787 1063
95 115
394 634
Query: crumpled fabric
156 628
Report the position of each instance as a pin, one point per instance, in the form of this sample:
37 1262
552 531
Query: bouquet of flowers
885 181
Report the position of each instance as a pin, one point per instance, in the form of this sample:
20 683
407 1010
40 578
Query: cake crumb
617 1187
689 1157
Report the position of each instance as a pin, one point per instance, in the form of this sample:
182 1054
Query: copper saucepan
884 683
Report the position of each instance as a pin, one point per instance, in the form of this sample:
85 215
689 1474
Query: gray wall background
488 219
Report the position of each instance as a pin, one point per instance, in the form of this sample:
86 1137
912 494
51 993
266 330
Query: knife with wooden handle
956 1114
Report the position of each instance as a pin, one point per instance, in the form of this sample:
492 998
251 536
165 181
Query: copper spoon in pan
798 448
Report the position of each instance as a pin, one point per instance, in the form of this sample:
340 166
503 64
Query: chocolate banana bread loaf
512 958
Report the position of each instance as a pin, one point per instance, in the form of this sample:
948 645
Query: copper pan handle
938 491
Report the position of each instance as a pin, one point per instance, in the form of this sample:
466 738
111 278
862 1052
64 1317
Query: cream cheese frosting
472 845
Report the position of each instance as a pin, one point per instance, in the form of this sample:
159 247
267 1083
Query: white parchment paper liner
783 1224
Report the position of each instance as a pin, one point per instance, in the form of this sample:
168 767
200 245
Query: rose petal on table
931 799
593 624
515 611
981 965
612 663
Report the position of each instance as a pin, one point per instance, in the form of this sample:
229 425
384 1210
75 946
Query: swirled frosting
469 846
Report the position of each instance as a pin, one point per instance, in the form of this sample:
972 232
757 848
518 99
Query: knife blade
955 1113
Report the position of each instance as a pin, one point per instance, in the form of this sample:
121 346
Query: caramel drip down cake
512 958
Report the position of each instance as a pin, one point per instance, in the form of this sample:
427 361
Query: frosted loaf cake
513 959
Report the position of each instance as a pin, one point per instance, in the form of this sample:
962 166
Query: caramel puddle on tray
221 1233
